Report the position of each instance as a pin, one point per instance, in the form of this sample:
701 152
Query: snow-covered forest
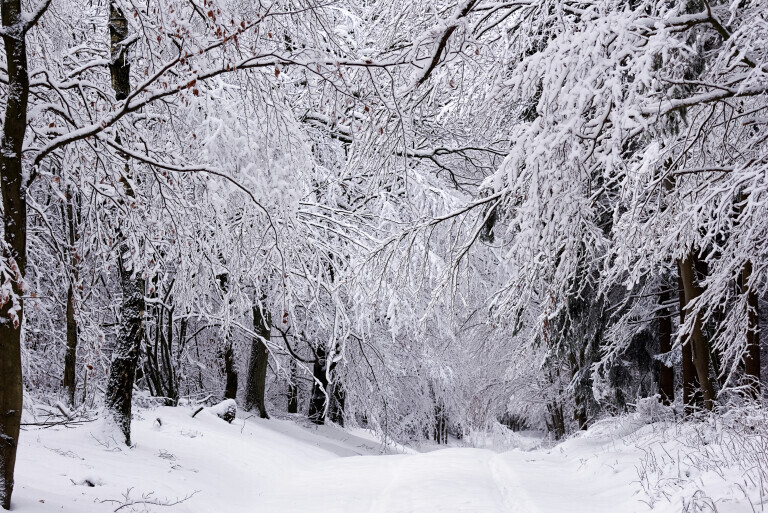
414 223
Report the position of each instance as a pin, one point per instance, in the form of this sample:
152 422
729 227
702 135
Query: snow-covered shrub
706 461
225 410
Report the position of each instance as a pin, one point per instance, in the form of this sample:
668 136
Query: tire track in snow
513 495
448 480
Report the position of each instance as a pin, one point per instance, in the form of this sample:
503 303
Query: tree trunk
257 364
556 421
690 383
752 356
319 387
69 381
699 342
171 393
122 371
230 371
70 355
441 424
666 373
119 67
14 252
293 389
338 399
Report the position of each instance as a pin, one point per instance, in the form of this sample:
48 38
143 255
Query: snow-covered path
277 466
455 480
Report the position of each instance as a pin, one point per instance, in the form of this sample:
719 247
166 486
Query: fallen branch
146 499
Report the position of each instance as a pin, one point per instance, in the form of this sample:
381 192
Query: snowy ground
279 466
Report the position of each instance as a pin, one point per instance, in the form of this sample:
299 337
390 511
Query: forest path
455 480
462 480
286 466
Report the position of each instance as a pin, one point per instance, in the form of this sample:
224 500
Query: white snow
285 466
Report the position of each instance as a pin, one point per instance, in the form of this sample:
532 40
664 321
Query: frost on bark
257 365
125 357
319 387
293 388
119 67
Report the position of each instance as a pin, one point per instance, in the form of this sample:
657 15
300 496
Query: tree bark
293 389
257 364
122 372
69 381
752 356
698 340
230 371
70 356
319 387
338 400
556 421
441 424
15 239
690 383
125 357
119 67
666 373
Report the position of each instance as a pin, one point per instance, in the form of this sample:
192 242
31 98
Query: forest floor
285 466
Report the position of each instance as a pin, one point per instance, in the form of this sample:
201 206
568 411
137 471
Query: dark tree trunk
14 252
119 67
69 381
666 373
171 392
752 356
293 389
319 387
125 357
556 421
441 424
338 399
230 371
257 365
576 360
698 340
690 383
580 416
70 355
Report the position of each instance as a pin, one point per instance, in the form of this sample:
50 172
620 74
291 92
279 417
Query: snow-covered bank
283 467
